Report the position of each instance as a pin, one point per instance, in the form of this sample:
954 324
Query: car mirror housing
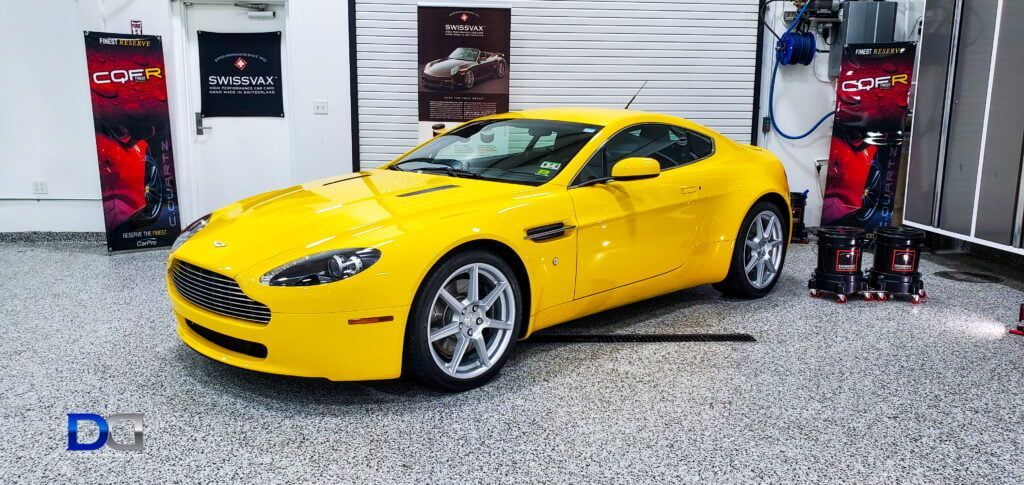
635 168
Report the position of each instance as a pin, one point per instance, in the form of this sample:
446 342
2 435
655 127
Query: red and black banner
463 62
872 96
240 74
128 86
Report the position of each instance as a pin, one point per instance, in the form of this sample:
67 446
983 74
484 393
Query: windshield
514 150
464 54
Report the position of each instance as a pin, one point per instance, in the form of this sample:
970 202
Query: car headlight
190 231
455 70
321 268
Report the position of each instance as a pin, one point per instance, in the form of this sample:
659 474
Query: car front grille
216 293
427 78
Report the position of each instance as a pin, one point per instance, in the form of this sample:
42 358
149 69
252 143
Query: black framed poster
463 62
240 74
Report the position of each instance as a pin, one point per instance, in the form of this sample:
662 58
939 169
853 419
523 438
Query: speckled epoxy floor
866 392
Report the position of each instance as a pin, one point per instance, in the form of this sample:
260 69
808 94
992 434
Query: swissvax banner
128 86
872 96
240 74
463 62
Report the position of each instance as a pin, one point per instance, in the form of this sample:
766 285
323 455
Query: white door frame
184 108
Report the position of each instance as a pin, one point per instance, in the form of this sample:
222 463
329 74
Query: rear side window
694 146
671 146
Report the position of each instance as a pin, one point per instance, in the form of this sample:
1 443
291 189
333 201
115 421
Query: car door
629 231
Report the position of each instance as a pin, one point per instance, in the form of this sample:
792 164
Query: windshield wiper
454 172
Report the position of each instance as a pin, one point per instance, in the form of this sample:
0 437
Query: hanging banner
463 63
240 74
133 139
872 96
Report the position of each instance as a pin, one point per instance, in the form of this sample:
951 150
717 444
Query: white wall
801 99
318 49
46 116
46 121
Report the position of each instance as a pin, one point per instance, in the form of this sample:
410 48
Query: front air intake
216 293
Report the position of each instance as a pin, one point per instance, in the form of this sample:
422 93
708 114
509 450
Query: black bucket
839 257
798 200
897 255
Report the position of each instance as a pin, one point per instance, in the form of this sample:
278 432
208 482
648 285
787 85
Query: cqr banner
133 139
463 63
240 74
872 96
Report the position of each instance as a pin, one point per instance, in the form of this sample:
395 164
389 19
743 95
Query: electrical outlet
319 106
39 187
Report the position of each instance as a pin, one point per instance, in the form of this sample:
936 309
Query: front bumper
301 344
442 82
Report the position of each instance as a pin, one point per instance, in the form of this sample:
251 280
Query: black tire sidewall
419 362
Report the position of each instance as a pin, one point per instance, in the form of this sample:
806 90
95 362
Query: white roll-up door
698 56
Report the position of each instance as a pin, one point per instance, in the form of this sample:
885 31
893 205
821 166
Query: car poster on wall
463 62
240 74
128 87
872 96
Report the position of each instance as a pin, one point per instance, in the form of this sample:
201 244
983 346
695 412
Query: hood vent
427 191
358 176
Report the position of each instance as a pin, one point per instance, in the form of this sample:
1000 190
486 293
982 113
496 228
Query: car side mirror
635 168
437 129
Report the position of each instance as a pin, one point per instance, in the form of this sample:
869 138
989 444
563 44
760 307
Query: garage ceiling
698 56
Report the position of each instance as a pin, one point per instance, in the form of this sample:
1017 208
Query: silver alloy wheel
763 253
470 79
471 320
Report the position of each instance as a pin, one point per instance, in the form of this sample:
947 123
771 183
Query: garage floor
865 392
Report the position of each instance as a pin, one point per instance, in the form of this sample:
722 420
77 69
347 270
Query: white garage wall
46 121
698 55
46 114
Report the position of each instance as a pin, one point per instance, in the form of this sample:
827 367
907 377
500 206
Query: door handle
200 129
691 189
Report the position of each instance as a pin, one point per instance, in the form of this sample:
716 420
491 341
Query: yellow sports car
437 263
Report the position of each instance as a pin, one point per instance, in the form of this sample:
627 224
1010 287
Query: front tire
469 80
464 322
758 254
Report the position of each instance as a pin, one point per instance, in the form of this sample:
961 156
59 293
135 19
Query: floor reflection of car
464 67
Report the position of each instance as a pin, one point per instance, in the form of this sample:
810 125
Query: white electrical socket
319 106
39 187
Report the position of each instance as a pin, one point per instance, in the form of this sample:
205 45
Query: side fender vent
548 231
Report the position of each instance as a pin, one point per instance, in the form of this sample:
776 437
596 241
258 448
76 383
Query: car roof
590 115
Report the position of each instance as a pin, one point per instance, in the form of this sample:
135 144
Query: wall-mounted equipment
862 22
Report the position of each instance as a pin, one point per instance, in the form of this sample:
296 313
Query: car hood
331 213
443 67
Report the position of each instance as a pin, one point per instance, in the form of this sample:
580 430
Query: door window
671 146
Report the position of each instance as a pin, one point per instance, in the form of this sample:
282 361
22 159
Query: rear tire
451 323
754 250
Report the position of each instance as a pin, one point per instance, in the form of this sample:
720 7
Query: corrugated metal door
698 56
